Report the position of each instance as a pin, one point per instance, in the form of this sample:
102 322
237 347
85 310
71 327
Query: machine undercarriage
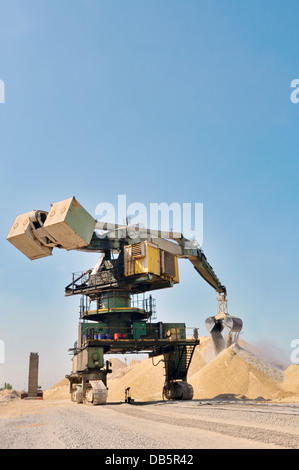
122 325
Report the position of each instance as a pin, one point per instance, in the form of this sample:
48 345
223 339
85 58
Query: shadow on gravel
222 398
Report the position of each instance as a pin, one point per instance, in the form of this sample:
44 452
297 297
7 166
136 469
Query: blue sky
163 101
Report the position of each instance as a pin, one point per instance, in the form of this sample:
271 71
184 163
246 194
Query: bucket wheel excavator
116 306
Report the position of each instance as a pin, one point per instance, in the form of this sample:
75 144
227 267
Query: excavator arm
201 265
214 324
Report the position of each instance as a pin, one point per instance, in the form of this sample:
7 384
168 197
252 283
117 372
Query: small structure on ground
34 391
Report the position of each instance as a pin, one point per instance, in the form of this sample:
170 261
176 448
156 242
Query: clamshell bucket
216 324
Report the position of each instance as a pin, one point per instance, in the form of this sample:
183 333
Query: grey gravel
160 425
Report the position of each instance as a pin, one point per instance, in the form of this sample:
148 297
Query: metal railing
135 332
109 303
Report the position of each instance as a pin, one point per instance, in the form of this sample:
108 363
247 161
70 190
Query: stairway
184 361
176 367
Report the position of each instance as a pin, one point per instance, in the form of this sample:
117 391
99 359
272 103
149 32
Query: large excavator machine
117 310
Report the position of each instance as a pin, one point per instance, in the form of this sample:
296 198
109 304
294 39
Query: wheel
77 394
178 391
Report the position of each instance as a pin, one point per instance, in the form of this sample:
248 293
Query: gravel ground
61 424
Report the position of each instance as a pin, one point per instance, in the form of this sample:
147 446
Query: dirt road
61 424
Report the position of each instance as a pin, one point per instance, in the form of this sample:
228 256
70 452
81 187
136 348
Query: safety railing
109 301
